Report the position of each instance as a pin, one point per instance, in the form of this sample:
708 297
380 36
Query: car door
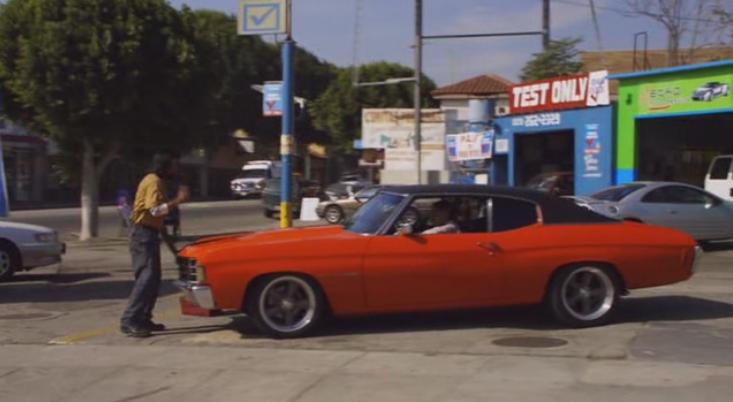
688 209
427 270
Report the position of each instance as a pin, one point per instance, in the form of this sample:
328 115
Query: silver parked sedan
681 206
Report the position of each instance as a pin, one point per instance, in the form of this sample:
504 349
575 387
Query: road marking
82 336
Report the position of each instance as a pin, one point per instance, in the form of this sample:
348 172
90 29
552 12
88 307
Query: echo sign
559 93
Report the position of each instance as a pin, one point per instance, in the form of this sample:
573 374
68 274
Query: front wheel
8 262
583 295
286 306
333 214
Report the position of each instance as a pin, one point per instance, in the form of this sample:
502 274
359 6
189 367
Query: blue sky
326 28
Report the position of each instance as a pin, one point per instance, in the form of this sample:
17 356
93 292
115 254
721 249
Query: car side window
510 214
678 195
720 169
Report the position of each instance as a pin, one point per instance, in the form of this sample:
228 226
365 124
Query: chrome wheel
333 214
287 304
588 293
6 263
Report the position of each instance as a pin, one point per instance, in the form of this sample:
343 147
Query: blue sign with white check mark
258 17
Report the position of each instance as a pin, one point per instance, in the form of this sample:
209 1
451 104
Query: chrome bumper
200 295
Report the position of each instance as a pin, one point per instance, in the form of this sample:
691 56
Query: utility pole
287 142
545 24
418 81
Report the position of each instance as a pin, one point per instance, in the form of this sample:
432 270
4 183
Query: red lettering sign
559 93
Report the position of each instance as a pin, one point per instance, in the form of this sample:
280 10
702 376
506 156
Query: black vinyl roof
555 210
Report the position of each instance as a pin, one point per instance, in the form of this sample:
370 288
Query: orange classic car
419 248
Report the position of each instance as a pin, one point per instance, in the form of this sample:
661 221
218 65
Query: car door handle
491 247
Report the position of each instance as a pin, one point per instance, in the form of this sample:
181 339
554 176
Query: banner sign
585 90
470 146
591 152
272 102
393 131
703 93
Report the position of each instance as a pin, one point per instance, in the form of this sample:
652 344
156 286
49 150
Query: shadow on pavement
643 309
717 246
57 288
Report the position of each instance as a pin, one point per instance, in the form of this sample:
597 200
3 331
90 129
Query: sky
326 28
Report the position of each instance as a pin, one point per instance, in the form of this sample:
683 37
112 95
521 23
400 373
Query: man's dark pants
145 251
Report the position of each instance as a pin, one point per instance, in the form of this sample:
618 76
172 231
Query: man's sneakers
141 331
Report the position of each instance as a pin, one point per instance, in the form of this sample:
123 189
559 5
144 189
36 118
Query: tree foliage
559 59
338 110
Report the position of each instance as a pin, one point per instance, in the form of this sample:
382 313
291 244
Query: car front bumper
199 295
41 254
246 192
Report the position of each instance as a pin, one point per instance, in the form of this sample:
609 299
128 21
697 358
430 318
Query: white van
719 179
251 181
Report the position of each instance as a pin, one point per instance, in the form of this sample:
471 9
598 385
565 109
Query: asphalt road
196 218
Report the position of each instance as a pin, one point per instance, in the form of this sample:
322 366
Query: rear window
720 168
509 214
615 194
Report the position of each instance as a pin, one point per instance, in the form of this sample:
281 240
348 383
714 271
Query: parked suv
719 179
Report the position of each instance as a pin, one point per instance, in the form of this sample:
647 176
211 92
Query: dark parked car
301 188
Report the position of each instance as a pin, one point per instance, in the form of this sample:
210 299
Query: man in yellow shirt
149 210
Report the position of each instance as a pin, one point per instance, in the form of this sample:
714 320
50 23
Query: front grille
187 269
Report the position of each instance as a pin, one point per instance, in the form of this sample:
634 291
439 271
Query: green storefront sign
678 91
687 94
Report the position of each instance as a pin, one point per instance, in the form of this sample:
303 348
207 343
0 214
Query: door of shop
681 148
542 153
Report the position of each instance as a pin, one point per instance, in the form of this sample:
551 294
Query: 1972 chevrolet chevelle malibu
418 248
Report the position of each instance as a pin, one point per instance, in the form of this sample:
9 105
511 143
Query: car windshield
616 194
253 174
542 182
367 193
369 218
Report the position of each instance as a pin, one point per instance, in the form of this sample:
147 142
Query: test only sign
585 90
272 100
470 146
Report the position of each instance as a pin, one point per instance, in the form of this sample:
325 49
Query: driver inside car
441 219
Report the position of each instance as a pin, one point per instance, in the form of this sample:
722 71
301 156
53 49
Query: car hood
24 226
248 180
260 240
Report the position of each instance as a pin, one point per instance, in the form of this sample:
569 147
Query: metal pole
418 81
287 143
545 24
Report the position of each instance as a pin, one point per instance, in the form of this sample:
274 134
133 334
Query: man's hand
184 194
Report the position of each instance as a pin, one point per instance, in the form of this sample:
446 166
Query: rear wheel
9 261
333 214
286 306
583 295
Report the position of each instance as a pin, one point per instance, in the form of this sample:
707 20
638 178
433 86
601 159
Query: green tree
100 78
338 110
559 59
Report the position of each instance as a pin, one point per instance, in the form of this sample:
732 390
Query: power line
627 12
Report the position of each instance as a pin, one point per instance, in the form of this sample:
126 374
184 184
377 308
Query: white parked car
719 179
24 246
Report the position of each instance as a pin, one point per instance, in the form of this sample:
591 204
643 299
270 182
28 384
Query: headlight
613 210
45 237
191 271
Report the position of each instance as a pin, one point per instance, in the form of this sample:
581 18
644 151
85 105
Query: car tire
583 295
333 214
286 305
9 260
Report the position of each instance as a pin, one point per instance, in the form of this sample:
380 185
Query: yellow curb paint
82 336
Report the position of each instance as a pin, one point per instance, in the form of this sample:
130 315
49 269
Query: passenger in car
442 219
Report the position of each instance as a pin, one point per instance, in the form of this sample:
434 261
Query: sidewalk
156 373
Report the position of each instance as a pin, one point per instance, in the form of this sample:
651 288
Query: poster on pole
470 146
4 206
272 100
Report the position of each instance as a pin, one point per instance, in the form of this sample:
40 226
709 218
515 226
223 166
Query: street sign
470 146
272 100
262 17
